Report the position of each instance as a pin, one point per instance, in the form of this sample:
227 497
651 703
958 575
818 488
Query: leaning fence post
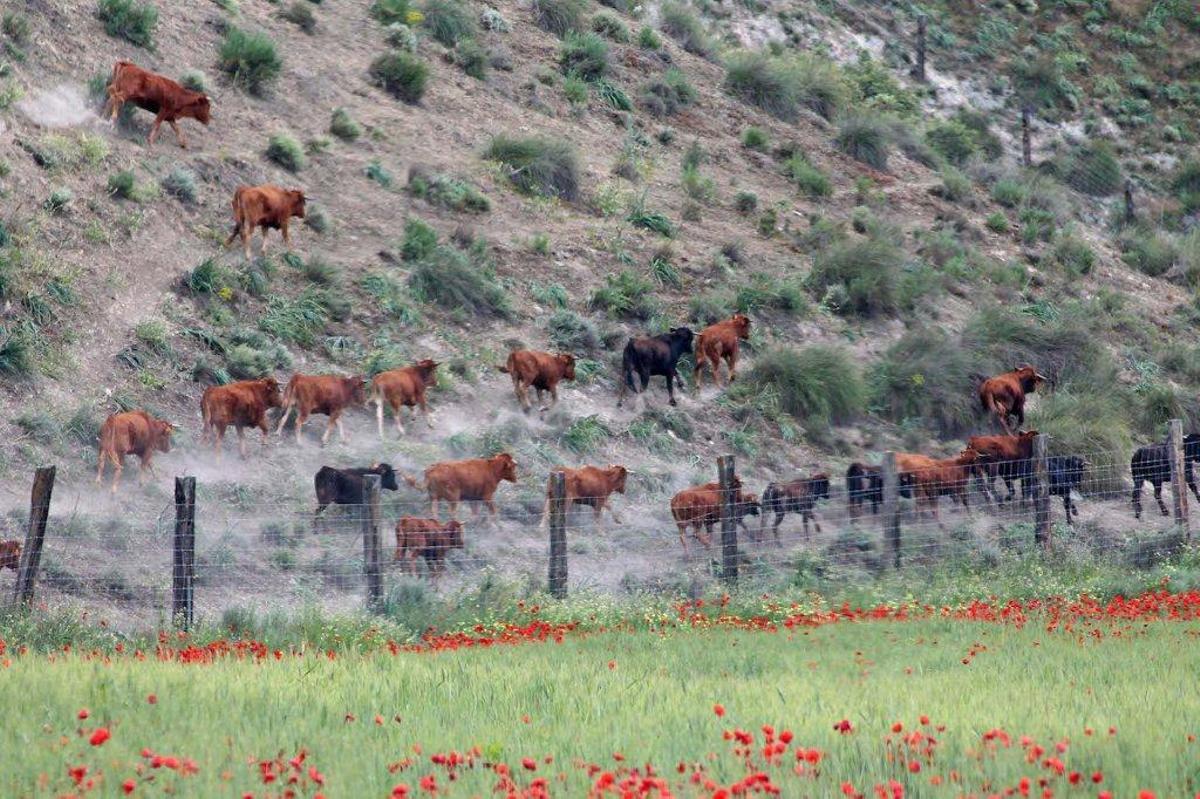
1041 494
1130 211
919 70
557 493
727 479
372 556
35 535
183 576
1179 506
1026 138
891 507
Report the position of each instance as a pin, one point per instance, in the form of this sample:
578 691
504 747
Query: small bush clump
129 20
420 240
538 165
808 178
819 385
927 376
1150 253
1093 169
584 54
285 151
952 140
755 139
447 191
560 16
300 14
389 12
122 185
682 25
450 278
342 125
859 277
472 58
625 295
669 94
180 183
448 21
611 27
401 75
250 60
865 138
570 332
1073 254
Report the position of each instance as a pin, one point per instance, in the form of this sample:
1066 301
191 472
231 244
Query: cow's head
270 388
682 338
199 109
10 554
297 198
454 530
741 324
357 386
428 370
969 456
818 486
387 476
161 432
1030 379
747 504
1027 436
617 475
505 467
567 362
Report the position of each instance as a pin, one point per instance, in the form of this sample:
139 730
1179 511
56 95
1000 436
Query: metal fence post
35 535
891 507
1041 494
727 479
919 71
558 534
372 555
183 576
1026 137
1179 505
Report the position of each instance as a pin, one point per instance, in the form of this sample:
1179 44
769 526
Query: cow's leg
100 466
707 538
425 411
731 361
379 416
263 251
671 374
247 233
398 412
333 419
241 433
118 462
491 506
809 514
158 120
1158 498
553 397
115 102
433 506
178 134
520 392
287 236
266 430
779 523
682 536
287 411
1137 497
301 418
698 372
1067 505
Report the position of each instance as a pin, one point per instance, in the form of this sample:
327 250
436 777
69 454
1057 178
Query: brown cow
10 554
1007 457
401 388
719 341
474 480
242 404
590 485
540 370
945 477
167 99
701 505
133 433
1004 395
266 207
428 539
327 394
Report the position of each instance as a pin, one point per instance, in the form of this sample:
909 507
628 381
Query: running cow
1003 396
1153 464
266 207
242 404
473 480
1007 457
401 388
590 485
647 356
797 496
132 433
542 371
719 342
427 539
700 506
345 486
327 394
169 101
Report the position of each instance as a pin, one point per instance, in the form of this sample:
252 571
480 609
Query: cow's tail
509 366
206 416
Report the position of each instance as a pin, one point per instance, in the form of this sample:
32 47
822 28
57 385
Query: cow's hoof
674 403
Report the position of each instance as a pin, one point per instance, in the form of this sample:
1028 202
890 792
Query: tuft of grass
1073 254
997 222
389 12
684 27
1185 183
625 295
472 58
808 178
58 200
285 151
342 125
1093 169
180 183
295 320
420 240
584 54
819 385
755 139
1151 253
560 16
378 172
611 27
122 185
448 21
401 75
866 138
585 434
746 202
447 191
952 140
16 349
570 332
575 89
129 20
250 60
16 27
194 79
928 377
538 165
859 277
647 39
449 278
301 15
956 187
669 94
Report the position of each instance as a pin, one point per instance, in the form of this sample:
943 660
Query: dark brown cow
327 394
590 485
242 404
541 371
647 356
796 496
701 506
168 100
10 554
266 207
132 433
944 477
1004 395
1007 457
473 480
428 539
401 388
720 341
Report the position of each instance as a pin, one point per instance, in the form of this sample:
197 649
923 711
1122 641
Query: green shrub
979 122
955 187
194 79
180 183
301 15
863 275
296 320
612 94
1009 193
1093 169
16 350
648 39
285 151
768 83
952 140
669 94
472 58
401 75
610 27
650 220
1040 82
209 277
755 139
818 385
584 54
865 138
448 21
878 87
379 173
625 295
570 332
766 292
1065 347
249 59
927 376
402 37
126 19
447 191
1186 184
58 200
538 165
575 89
697 186
997 222
710 307
449 278
389 12
1073 254
808 178
1150 253
342 125
560 16
746 202
16 27
420 240
122 185
682 25
1087 422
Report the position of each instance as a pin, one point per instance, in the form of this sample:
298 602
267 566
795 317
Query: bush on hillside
866 138
447 191
669 94
342 125
285 151
1186 184
538 165
1041 83
401 75
450 278
625 295
1065 348
389 12
979 122
818 385
129 20
610 27
180 183
927 376
952 140
809 179
300 14
781 86
858 277
755 139
560 16
584 54
448 21
1151 253
682 25
1093 169
570 332
249 59
473 58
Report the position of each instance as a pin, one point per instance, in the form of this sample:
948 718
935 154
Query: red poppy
99 736
83 714
152 699
529 764
719 710
128 786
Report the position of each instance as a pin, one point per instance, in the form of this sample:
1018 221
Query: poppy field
998 698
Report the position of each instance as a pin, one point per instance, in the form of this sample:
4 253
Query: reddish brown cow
10 554
133 433
720 341
590 485
401 388
242 404
327 394
945 477
428 539
473 480
266 207
701 506
541 370
1007 457
168 100
1004 395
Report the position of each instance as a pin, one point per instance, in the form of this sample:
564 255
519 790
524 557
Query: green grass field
646 695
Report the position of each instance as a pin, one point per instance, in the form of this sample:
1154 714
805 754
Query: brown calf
168 100
10 554
590 485
133 433
1007 457
428 539
540 370
473 480
1004 395
327 394
720 341
701 506
400 388
266 207
242 404
945 477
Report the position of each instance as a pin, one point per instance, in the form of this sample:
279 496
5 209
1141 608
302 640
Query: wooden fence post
891 507
558 535
183 575
1026 137
372 555
1041 494
35 535
1129 209
919 70
727 477
1179 505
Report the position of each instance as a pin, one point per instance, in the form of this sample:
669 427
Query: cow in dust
243 404
647 356
169 101
700 506
795 496
327 394
1003 396
132 433
471 480
427 539
541 371
267 207
719 342
403 388
592 486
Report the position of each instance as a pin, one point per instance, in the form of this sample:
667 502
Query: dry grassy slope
133 279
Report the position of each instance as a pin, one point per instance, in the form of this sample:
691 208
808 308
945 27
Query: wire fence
269 557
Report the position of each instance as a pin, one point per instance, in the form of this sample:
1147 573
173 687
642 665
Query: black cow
797 496
864 483
345 486
1153 464
654 355
1065 473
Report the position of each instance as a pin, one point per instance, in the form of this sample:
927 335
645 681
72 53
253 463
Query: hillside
772 158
